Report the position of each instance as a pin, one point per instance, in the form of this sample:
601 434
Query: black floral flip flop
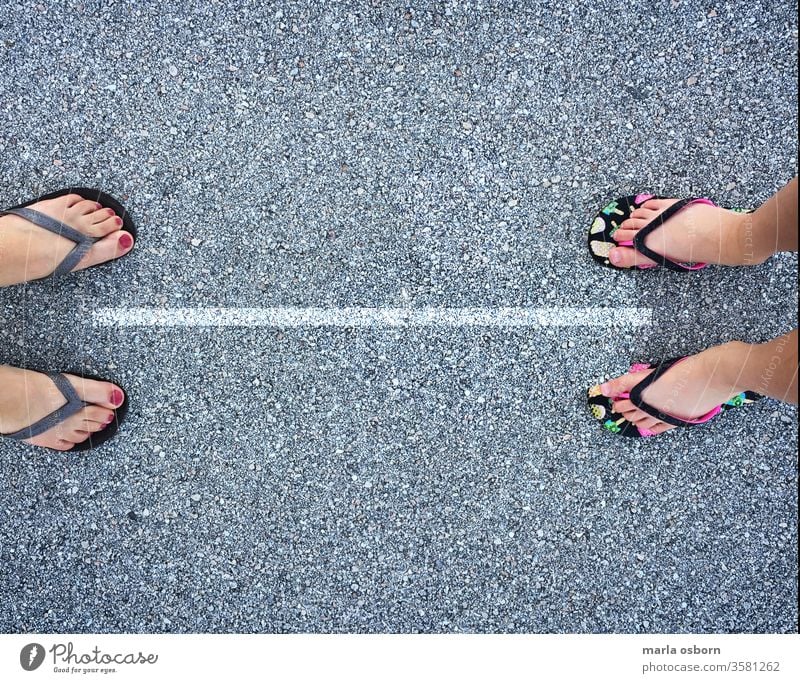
82 242
611 216
73 405
600 406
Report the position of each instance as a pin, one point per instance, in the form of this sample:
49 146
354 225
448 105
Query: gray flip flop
72 406
82 242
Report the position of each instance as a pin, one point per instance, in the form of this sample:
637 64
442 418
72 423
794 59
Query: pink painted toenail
98 206
118 220
116 397
125 241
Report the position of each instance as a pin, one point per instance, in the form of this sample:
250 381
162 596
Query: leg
771 368
772 227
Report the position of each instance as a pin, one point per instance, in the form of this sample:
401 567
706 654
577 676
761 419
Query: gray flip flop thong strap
72 406
82 242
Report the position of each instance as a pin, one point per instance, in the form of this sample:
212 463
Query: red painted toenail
118 220
98 206
125 241
116 397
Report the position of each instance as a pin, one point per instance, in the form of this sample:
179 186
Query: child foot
28 396
29 252
688 390
697 233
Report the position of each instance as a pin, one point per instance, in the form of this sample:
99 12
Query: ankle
771 368
744 245
731 366
757 238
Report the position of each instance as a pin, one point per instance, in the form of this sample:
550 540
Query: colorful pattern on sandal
607 222
601 410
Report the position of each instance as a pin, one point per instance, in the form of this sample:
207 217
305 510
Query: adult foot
688 390
697 233
27 396
29 252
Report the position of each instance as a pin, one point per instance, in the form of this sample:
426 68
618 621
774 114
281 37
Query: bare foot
27 396
28 252
688 390
697 233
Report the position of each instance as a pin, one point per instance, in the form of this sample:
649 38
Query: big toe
105 394
620 385
111 247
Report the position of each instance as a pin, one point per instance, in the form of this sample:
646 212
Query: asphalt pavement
379 479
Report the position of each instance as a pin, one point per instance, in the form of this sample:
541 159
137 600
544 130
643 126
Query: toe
109 248
105 227
103 394
661 427
625 257
62 445
620 385
648 423
70 199
92 418
633 224
643 214
636 415
77 435
622 406
624 235
658 204
85 206
102 214
95 413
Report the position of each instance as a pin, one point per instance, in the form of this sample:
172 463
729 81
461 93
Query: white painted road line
373 317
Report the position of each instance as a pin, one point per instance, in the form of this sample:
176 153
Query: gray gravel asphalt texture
395 480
